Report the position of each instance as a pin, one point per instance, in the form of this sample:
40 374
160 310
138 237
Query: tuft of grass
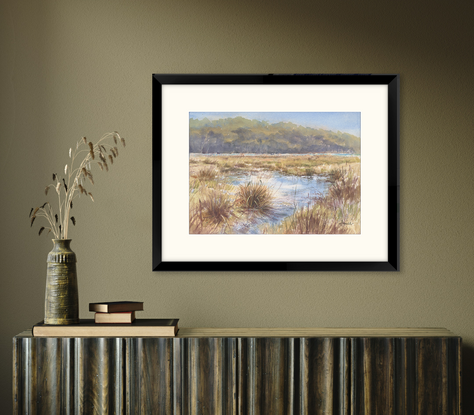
344 194
209 161
206 174
216 207
211 212
346 187
256 198
312 220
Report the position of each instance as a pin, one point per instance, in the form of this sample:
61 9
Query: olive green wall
74 68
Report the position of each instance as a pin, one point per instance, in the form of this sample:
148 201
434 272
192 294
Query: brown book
116 306
88 328
126 317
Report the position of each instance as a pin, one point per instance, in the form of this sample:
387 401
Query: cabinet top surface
306 332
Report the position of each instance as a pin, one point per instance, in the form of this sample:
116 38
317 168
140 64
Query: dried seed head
91 146
103 148
91 178
31 211
32 220
115 138
36 210
44 204
70 204
84 139
116 150
90 194
123 141
54 177
100 165
73 219
81 189
111 159
92 154
70 152
46 190
84 171
65 185
106 166
56 217
102 157
41 230
65 169
58 186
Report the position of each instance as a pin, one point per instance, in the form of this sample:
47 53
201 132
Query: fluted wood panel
266 375
68 376
406 376
340 376
323 376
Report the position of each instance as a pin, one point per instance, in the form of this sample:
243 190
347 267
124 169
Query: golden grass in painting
216 206
296 165
309 220
344 194
336 213
255 198
211 208
206 174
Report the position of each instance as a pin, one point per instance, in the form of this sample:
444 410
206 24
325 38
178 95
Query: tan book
88 328
116 306
126 317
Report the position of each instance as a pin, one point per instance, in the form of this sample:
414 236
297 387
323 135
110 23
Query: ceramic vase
61 305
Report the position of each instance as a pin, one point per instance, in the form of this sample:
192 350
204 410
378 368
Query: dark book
88 328
124 317
116 306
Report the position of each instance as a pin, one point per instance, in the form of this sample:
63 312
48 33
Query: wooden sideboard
242 371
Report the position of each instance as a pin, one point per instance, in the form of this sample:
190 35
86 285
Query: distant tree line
245 142
223 136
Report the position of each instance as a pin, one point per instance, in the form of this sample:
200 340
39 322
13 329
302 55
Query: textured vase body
61 304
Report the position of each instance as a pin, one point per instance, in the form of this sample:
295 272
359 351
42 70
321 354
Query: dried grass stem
70 186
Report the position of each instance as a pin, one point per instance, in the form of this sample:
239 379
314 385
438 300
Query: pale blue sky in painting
348 122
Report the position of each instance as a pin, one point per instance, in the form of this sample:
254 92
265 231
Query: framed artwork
276 173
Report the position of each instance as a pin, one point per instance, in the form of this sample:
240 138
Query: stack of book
118 312
112 319
146 327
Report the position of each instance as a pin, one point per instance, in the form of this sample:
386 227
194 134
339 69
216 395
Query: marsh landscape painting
275 173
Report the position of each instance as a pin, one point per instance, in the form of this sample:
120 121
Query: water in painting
275 173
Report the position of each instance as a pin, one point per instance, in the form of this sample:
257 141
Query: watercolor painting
275 173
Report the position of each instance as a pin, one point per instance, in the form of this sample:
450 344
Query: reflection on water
290 193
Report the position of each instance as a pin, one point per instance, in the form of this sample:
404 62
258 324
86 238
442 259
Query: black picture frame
392 83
